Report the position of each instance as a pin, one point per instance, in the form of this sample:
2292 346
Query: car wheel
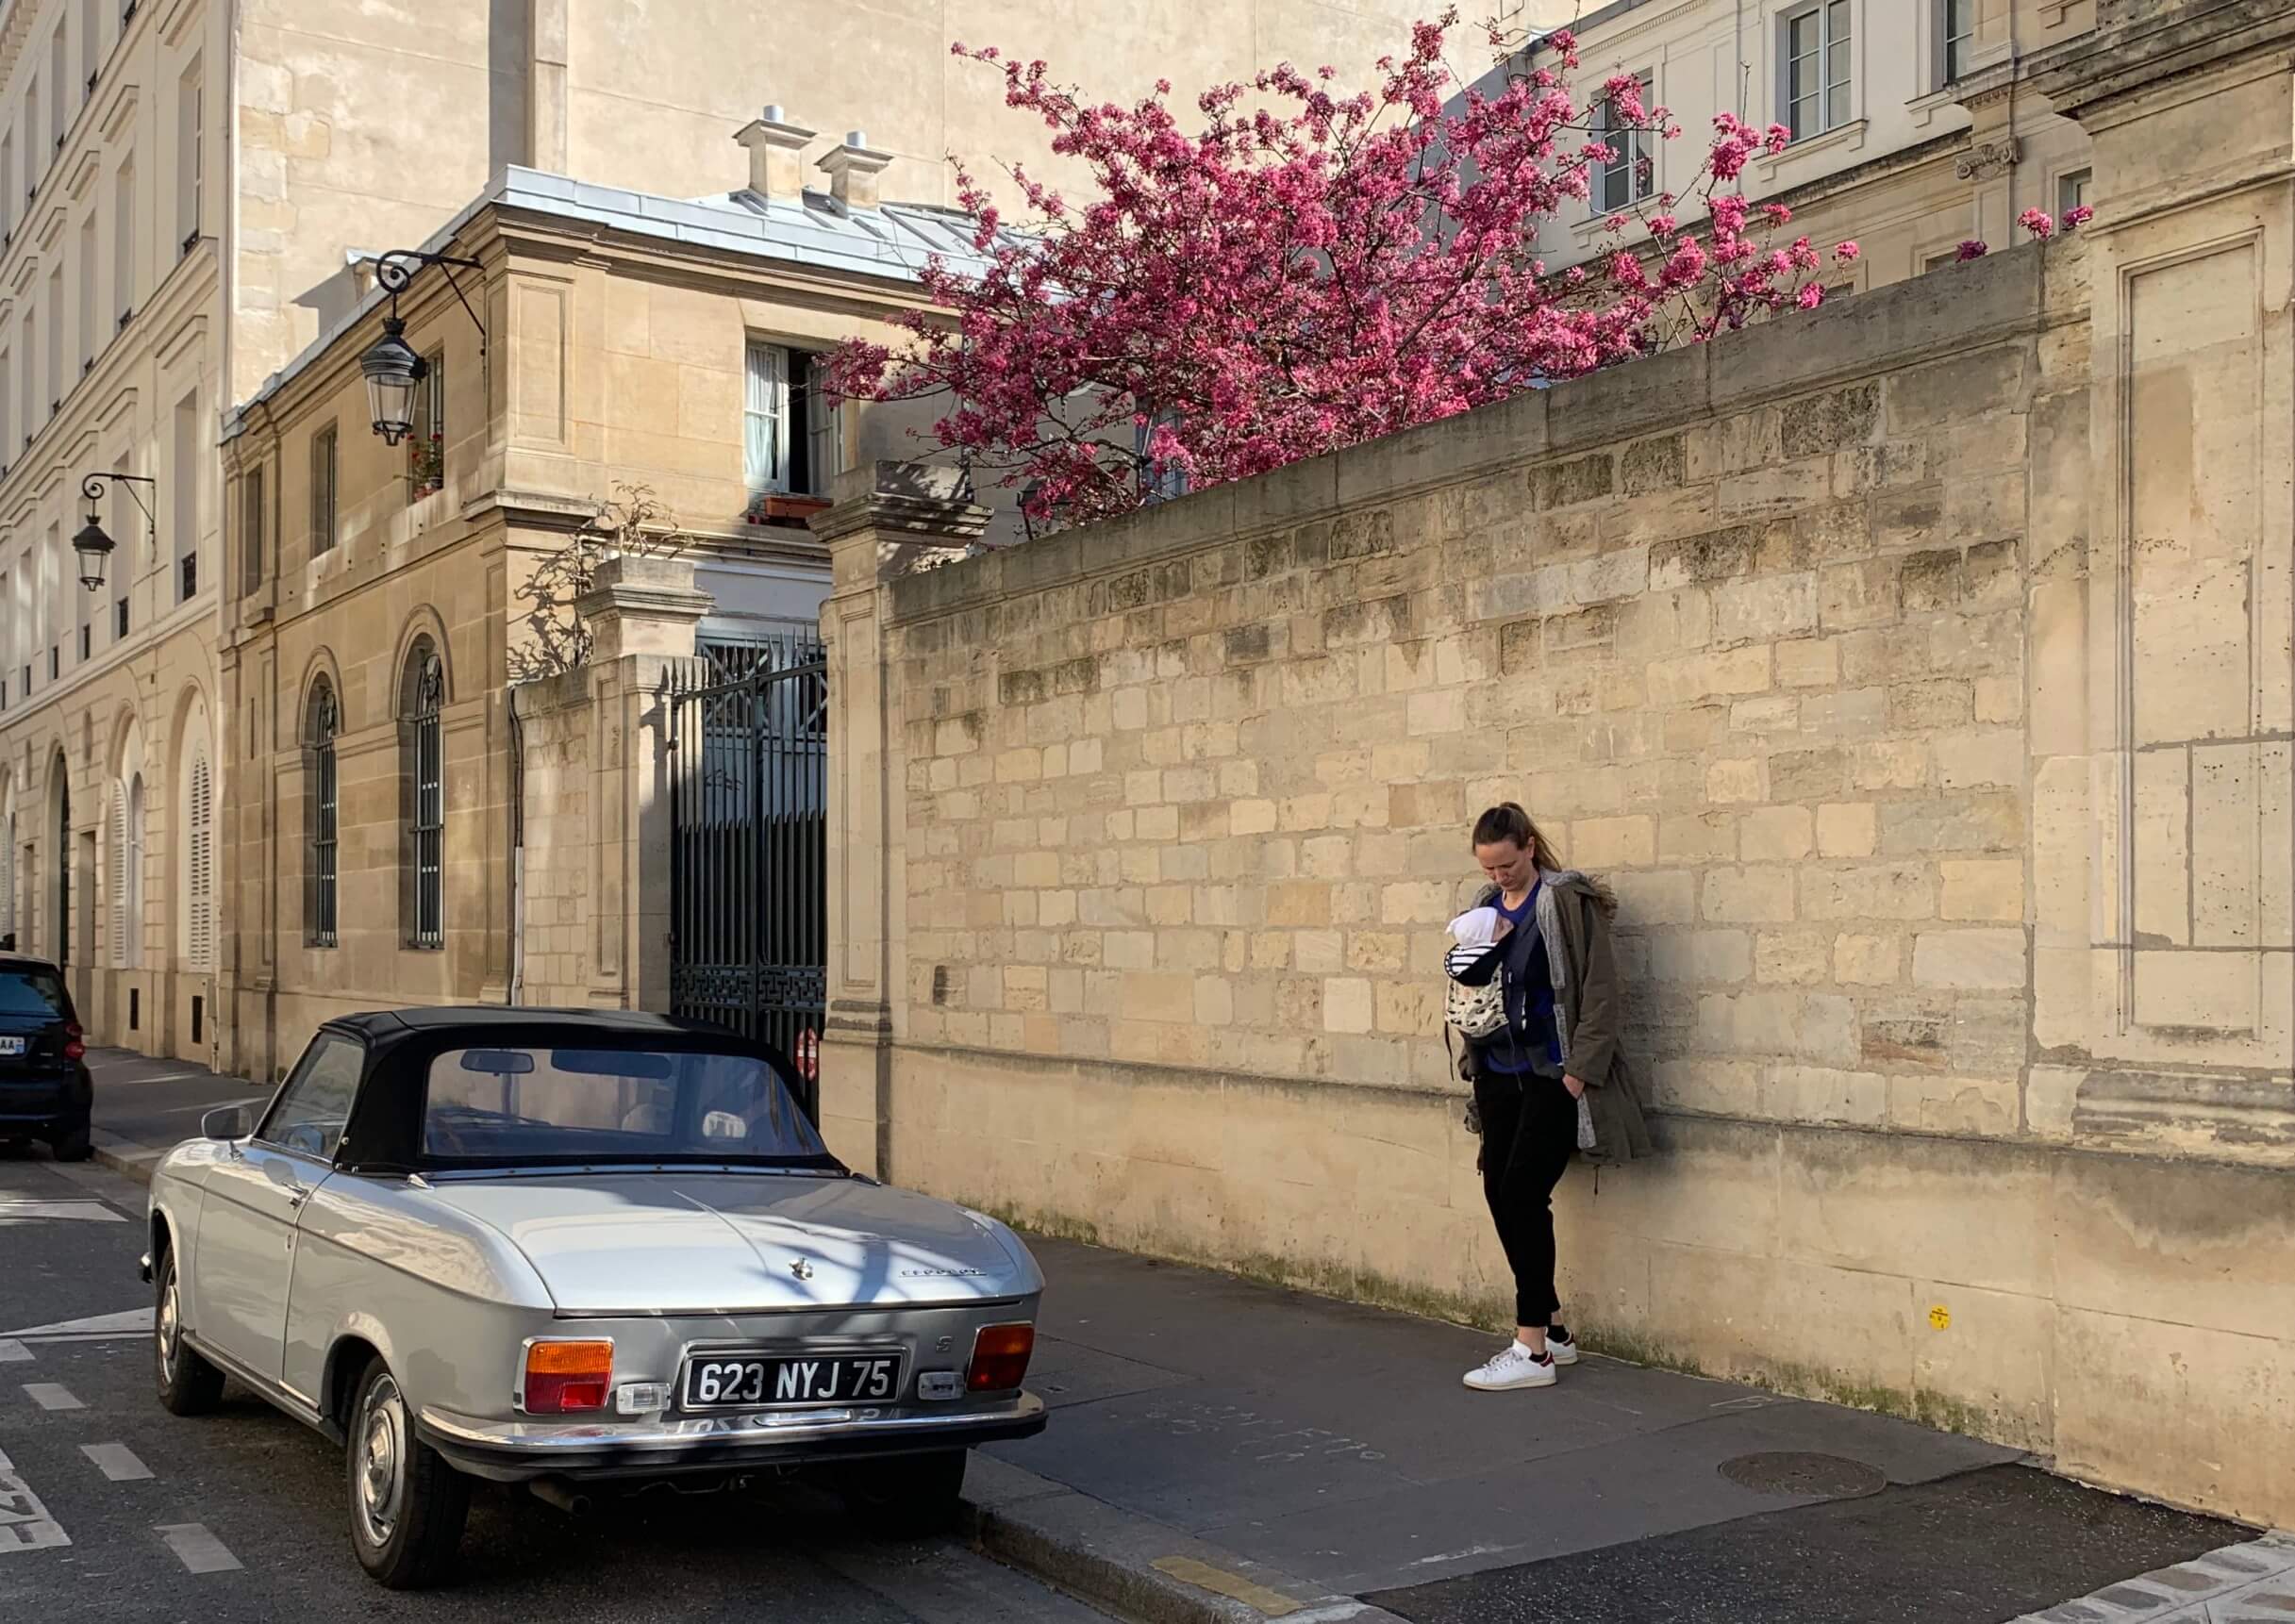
187 1384
407 1505
75 1146
906 1494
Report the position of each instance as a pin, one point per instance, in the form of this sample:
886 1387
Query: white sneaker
1516 1367
1564 1348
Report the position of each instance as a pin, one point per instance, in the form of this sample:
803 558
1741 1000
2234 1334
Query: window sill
1841 139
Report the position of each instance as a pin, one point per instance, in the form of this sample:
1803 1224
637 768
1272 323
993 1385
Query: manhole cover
1788 1472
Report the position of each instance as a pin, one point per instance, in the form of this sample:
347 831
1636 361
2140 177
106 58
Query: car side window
312 1110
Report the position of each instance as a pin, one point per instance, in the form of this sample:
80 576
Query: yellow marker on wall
1940 1316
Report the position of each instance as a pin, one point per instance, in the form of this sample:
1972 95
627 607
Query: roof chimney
776 151
853 171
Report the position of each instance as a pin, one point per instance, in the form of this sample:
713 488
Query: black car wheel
75 1146
407 1505
906 1494
187 1384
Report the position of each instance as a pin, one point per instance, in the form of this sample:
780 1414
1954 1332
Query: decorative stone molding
1988 158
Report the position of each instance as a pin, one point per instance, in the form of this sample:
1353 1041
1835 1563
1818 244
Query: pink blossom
1282 268
2038 221
1811 296
1847 253
2076 218
1971 249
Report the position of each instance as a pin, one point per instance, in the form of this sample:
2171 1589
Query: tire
75 1146
407 1506
187 1384
909 1496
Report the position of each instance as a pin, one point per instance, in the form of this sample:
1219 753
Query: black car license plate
754 1381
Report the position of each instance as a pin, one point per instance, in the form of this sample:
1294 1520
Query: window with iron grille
323 722
1630 176
323 491
422 778
1815 77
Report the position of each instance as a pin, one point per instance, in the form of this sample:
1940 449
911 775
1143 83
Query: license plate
12 1046
755 1381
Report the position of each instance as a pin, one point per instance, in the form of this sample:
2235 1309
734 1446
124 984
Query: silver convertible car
578 1252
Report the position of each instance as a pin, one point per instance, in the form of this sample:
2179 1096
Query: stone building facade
1921 673
390 833
1918 125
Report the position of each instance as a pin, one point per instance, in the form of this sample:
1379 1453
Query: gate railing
749 851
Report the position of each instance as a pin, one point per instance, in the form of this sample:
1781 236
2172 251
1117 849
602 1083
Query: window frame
324 452
1634 151
192 156
423 789
775 416
1823 13
251 526
2071 189
322 796
1954 49
426 435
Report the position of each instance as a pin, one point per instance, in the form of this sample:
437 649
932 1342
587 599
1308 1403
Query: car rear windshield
534 1106
34 992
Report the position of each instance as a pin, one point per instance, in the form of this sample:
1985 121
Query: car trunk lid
666 1242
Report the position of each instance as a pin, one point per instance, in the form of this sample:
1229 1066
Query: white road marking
109 1082
52 1396
196 1548
14 1351
16 1210
24 1523
127 1323
116 1462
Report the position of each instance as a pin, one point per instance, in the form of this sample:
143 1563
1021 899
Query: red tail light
563 1377
1000 1357
74 1046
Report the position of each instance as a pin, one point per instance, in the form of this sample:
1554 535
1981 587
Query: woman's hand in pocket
1577 1089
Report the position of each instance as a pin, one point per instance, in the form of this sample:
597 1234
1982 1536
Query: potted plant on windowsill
781 507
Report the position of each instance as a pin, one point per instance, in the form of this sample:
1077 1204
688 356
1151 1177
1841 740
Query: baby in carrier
1476 1005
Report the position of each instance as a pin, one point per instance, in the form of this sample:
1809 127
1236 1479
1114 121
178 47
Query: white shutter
200 910
765 417
135 872
118 876
7 879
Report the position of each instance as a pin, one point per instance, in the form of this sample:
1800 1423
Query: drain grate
1788 1472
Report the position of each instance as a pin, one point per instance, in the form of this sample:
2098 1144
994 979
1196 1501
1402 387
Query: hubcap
380 1468
166 1327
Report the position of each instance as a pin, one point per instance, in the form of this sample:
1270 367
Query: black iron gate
748 741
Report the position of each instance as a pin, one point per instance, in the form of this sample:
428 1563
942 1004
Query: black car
45 1089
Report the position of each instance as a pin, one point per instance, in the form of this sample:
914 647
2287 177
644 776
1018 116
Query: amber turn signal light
1000 1357
563 1377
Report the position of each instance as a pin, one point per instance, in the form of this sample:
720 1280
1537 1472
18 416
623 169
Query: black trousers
1529 1132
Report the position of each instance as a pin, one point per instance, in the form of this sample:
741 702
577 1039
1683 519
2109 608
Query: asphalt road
112 1510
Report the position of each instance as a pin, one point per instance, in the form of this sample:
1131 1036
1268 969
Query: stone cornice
2104 77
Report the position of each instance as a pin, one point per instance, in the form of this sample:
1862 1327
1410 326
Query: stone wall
1149 833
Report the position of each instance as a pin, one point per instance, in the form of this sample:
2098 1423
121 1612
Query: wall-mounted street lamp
93 545
392 368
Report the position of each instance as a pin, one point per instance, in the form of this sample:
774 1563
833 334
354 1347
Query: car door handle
298 1195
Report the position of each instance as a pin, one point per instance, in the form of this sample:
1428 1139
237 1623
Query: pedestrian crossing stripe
127 1323
25 1522
18 1210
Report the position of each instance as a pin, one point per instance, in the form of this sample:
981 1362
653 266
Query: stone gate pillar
889 520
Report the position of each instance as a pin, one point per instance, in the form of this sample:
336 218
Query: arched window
199 861
321 721
422 796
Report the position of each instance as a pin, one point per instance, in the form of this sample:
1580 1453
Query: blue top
1533 1047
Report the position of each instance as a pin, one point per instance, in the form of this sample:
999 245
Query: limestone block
1808 662
1973 960
1986 759
1737 896
1847 829
1824 1094
1857 594
1861 960
1869 891
1982 888
1959 1105
1777 834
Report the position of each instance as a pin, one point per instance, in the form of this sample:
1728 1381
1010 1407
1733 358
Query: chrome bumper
514 1450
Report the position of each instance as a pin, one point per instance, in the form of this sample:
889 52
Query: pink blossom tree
1306 271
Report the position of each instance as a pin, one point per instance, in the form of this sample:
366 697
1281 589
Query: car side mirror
225 1122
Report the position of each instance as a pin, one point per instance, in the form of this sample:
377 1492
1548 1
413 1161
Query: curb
1138 1569
126 1157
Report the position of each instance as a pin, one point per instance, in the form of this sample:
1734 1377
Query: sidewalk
1223 1451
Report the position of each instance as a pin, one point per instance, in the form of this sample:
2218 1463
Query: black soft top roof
384 1127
